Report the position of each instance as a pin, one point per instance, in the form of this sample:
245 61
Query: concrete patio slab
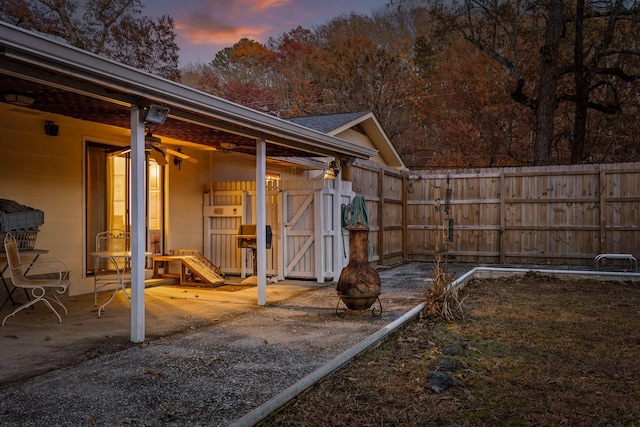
211 355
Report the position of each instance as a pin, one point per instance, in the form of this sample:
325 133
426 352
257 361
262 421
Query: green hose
352 214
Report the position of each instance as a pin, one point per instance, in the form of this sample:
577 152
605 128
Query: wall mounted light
155 114
333 171
19 99
177 160
51 129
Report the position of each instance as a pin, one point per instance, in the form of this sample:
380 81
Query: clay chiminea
359 283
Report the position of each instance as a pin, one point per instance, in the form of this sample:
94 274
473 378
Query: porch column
137 226
261 209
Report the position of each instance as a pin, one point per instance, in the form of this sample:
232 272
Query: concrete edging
281 399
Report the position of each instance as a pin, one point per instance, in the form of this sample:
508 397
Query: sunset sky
206 26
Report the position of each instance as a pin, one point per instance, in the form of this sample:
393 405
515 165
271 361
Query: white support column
261 209
282 233
138 197
337 227
318 235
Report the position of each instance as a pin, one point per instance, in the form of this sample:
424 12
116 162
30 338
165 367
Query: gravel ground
213 375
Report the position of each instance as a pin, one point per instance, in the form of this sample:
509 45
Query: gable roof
327 122
363 122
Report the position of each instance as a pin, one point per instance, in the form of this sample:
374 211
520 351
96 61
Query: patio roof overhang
68 81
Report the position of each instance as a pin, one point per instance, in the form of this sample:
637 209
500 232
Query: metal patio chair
107 270
38 286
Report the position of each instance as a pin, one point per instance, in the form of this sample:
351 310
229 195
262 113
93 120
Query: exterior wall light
51 129
333 171
155 114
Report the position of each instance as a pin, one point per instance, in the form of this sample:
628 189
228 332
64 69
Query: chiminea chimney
359 283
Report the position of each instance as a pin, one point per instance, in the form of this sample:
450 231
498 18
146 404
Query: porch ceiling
78 106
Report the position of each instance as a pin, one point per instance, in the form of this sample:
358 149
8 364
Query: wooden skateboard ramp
195 269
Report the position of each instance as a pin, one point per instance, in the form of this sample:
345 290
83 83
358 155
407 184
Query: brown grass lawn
538 352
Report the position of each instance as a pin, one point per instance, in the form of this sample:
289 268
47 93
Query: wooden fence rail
551 215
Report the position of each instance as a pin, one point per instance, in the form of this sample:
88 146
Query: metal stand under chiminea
359 283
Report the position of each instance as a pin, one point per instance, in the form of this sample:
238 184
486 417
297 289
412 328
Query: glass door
108 197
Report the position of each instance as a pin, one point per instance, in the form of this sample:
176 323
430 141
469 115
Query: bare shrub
442 297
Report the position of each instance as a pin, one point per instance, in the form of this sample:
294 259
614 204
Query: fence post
502 238
602 184
405 228
381 216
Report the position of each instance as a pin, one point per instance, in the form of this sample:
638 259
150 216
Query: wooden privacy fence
383 190
538 215
554 215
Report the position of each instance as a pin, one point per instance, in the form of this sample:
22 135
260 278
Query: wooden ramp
195 269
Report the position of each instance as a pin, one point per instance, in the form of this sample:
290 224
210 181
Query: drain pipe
284 397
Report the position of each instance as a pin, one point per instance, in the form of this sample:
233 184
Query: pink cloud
267 4
203 27
206 26
223 35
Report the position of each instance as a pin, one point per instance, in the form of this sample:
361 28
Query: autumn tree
557 53
369 67
605 53
465 112
302 66
113 28
245 74
485 83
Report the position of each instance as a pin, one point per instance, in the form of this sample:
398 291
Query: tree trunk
582 83
547 99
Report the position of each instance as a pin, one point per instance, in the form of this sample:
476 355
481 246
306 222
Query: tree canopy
465 84
112 28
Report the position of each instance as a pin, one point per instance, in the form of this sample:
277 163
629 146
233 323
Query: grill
247 239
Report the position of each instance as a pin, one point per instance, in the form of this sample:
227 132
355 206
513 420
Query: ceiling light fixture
228 145
151 139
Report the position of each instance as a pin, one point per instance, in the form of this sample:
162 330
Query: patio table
113 257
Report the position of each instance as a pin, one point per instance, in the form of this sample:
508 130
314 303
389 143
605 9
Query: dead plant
442 297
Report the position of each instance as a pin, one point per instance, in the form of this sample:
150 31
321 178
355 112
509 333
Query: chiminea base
359 304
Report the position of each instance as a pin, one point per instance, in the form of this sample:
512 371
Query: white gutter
44 53
280 400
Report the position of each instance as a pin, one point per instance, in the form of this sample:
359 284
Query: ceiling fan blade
120 152
158 156
181 155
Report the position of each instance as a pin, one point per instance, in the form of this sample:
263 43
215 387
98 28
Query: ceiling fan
159 152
